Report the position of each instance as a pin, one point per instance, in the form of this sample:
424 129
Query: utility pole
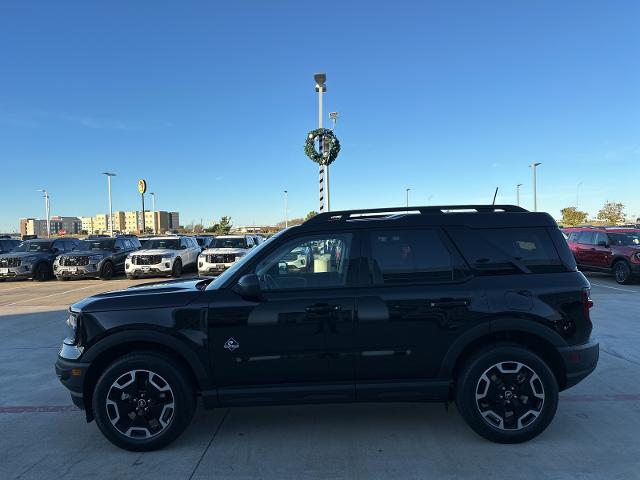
286 213
535 187
109 175
47 211
578 194
518 194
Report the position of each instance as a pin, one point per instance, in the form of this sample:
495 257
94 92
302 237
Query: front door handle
323 308
449 303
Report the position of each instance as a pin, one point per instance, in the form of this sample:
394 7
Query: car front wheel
176 271
143 401
507 394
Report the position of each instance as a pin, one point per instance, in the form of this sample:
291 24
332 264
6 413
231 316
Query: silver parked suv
223 252
163 256
95 257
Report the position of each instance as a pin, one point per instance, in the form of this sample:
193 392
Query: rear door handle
323 308
449 303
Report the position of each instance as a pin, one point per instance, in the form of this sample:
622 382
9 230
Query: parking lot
595 433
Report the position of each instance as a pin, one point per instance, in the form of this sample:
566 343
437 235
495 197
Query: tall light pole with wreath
328 146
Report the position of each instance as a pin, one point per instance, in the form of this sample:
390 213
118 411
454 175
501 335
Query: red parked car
606 249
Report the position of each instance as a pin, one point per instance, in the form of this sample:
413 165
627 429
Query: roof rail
344 215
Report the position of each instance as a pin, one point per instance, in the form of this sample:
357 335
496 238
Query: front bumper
72 373
23 271
212 268
163 268
579 361
83 271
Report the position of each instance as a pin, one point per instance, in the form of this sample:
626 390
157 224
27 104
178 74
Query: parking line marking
14 288
614 288
51 295
38 409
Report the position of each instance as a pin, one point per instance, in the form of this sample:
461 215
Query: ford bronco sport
479 305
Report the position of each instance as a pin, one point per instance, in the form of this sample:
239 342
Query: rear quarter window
492 251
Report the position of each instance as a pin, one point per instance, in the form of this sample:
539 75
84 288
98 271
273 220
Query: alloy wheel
140 404
510 395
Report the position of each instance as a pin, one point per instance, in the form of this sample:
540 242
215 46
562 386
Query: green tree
571 216
223 227
311 214
612 212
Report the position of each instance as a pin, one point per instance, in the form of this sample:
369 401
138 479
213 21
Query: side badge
231 344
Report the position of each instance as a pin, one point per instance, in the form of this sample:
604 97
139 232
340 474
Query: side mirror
248 286
603 244
117 249
283 267
183 247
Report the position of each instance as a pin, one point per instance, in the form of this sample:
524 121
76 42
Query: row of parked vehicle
103 257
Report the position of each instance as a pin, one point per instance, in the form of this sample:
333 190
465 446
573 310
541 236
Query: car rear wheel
143 401
42 272
107 271
507 394
622 272
176 271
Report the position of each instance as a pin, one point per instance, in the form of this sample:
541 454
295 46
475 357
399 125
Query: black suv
34 258
96 257
481 305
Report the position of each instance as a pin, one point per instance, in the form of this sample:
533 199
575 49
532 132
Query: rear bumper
579 361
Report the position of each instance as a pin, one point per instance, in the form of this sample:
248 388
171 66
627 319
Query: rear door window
411 256
587 238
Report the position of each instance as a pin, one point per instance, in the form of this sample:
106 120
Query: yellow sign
142 186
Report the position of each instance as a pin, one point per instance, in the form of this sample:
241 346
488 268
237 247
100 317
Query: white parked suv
162 256
223 252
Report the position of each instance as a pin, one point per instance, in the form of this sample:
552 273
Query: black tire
106 272
622 272
42 272
176 271
131 277
164 372
64 279
524 414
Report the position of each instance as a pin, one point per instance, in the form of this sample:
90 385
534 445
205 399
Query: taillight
587 303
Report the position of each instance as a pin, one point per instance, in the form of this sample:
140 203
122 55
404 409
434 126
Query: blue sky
211 102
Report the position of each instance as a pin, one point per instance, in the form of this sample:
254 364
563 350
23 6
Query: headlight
31 258
72 324
95 258
168 255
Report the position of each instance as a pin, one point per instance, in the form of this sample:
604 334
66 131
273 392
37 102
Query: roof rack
372 213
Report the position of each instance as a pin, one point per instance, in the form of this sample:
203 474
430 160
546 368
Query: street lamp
518 194
109 175
153 211
535 188
407 189
578 194
46 209
286 213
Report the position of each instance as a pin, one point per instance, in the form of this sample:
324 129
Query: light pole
518 194
535 187
320 78
109 175
407 189
46 209
153 211
286 213
578 194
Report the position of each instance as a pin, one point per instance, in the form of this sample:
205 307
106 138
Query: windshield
224 276
106 244
229 243
629 239
34 247
7 245
163 243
